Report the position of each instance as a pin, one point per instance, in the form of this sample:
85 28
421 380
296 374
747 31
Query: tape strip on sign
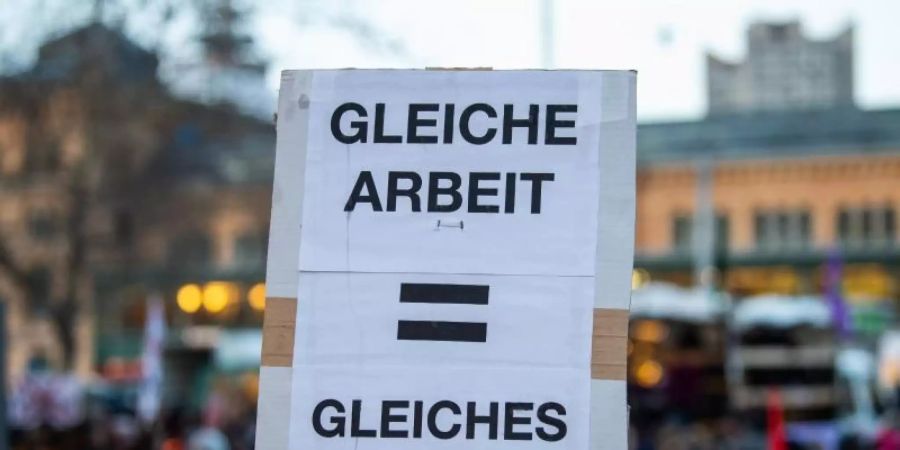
610 344
278 332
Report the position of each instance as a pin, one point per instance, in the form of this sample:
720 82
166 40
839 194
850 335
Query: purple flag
840 313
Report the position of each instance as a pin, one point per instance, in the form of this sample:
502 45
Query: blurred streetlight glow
257 296
189 298
649 373
653 331
217 295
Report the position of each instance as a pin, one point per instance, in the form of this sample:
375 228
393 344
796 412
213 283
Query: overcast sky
664 40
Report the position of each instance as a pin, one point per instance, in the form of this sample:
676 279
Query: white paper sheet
560 240
374 384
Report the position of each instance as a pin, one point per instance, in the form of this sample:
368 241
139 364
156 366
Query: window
723 231
778 229
890 225
843 225
867 225
683 232
760 229
805 229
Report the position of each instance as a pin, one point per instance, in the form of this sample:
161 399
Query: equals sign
436 330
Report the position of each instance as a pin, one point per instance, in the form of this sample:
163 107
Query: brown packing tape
278 332
609 346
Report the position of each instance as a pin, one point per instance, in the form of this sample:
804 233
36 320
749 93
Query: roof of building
197 142
771 135
94 46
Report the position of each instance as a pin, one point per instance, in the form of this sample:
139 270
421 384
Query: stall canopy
657 300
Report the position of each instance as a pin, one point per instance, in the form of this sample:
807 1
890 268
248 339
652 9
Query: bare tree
117 122
120 124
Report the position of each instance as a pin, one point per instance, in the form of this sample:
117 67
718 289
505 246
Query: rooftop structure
783 70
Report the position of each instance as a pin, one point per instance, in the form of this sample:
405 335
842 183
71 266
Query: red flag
775 421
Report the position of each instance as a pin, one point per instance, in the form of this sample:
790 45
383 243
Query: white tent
781 311
656 300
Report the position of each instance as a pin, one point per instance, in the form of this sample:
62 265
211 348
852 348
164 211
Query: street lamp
256 296
217 295
189 298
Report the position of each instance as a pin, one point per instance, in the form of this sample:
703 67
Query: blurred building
115 190
789 182
784 188
65 152
787 188
783 70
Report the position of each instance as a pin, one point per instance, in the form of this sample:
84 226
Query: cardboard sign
463 264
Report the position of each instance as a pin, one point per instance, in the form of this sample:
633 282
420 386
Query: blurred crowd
57 412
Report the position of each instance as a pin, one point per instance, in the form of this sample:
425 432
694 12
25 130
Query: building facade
789 191
790 174
115 191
